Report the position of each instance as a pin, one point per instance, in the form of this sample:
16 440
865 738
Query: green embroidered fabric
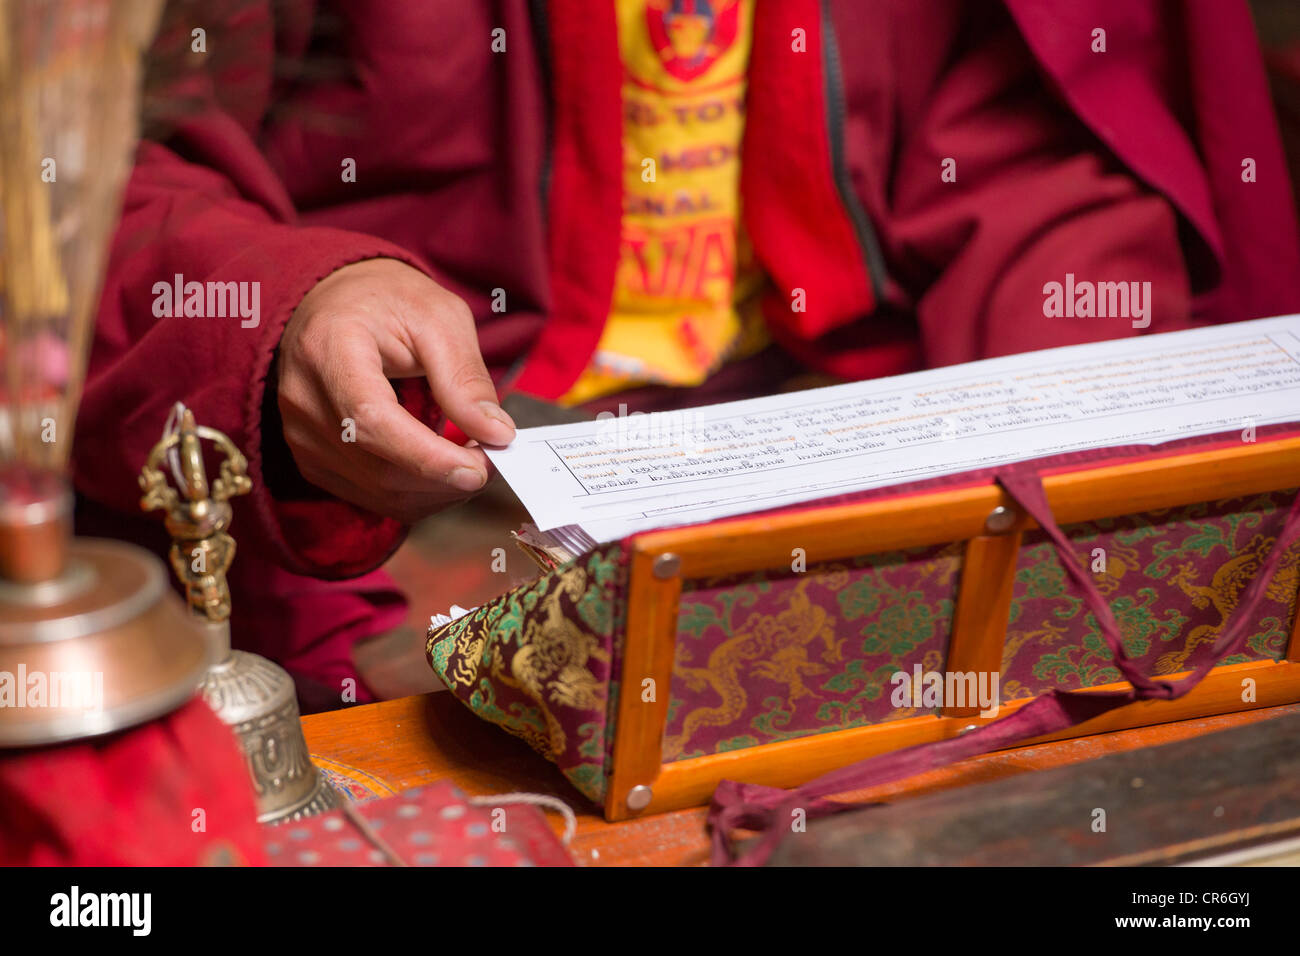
541 662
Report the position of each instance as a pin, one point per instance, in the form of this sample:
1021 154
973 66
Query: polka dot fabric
427 826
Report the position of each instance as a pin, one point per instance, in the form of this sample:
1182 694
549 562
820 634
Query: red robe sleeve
1030 196
209 207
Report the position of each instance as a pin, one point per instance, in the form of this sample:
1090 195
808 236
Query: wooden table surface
417 740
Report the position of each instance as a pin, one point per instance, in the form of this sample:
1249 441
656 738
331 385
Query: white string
170 428
537 800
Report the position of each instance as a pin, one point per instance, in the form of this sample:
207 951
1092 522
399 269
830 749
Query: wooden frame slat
979 628
648 652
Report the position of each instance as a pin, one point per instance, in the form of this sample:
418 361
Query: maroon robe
502 170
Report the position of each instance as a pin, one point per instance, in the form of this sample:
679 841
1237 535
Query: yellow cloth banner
685 293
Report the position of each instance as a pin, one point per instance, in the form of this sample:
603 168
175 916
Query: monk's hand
356 329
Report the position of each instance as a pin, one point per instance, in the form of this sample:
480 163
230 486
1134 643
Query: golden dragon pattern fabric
762 658
1172 579
540 662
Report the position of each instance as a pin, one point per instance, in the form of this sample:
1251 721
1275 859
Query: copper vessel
91 638
101 646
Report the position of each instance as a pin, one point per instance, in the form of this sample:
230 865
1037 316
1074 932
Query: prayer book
587 483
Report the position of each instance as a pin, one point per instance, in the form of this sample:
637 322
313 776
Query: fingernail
467 479
494 411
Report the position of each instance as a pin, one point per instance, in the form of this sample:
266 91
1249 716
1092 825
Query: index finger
384 428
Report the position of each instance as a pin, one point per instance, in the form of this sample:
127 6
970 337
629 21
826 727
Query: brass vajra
197 514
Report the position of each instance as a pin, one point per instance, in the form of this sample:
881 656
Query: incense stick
69 88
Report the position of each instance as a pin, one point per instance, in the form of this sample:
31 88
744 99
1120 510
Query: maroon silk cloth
753 807
171 792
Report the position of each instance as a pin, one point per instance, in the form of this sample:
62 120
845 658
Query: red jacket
502 170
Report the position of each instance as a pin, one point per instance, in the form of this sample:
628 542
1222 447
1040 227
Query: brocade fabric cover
542 662
774 655
1172 579
765 656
